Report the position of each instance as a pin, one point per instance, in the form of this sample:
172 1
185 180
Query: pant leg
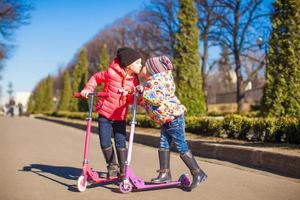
105 130
176 130
119 129
165 138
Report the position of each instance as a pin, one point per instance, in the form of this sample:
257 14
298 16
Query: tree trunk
239 83
204 63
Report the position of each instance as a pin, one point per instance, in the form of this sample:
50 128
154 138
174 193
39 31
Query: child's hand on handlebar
85 93
123 92
139 88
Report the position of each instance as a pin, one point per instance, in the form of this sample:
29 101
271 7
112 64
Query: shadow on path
70 173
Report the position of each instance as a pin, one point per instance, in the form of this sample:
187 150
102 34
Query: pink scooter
132 182
88 175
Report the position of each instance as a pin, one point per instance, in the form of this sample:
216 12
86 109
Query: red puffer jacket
114 107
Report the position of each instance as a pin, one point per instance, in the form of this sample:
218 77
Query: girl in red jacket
118 79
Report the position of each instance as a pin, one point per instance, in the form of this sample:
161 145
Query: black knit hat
127 55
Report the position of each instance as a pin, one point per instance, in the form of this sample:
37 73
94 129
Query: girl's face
144 73
135 67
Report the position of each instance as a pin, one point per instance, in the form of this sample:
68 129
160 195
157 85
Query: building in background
22 98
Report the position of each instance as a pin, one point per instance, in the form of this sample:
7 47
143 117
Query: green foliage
103 58
80 76
143 121
237 127
281 129
66 93
42 99
39 97
282 93
31 103
103 64
73 115
187 60
207 126
48 103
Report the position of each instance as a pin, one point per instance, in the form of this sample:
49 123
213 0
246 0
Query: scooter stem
132 130
88 131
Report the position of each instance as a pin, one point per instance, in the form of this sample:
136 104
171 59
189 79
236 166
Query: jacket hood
115 65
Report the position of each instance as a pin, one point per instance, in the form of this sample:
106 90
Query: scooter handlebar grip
99 94
103 94
77 95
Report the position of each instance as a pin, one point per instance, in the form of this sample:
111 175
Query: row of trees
186 30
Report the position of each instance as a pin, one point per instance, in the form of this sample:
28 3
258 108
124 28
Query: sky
57 30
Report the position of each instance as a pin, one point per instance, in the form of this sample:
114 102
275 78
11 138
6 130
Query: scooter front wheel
81 184
125 186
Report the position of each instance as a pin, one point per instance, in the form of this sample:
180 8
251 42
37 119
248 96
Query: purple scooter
132 182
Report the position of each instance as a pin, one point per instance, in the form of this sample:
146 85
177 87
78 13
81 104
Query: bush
264 129
73 115
271 129
236 126
207 126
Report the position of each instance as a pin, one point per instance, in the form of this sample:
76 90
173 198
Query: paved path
42 160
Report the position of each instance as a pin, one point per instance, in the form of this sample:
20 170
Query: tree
281 93
208 25
31 104
13 14
80 75
225 77
39 97
48 101
240 25
103 65
160 25
66 93
187 60
103 58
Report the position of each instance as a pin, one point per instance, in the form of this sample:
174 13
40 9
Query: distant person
119 79
164 107
20 107
11 107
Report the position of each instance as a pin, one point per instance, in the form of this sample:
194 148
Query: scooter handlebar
97 94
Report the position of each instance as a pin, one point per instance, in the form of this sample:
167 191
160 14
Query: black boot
164 175
112 167
198 175
122 156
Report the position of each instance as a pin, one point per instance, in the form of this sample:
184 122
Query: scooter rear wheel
185 181
125 187
81 184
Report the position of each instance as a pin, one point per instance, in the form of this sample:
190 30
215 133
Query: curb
281 164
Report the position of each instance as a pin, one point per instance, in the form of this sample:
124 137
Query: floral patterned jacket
159 97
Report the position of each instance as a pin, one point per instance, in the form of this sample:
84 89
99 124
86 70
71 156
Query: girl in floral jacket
164 107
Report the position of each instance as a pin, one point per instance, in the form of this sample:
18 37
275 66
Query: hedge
271 129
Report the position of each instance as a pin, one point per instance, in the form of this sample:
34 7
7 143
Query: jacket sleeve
130 96
95 80
154 92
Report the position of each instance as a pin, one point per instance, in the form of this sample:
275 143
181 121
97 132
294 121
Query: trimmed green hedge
281 129
72 115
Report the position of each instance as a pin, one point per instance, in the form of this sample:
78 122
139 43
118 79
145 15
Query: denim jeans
106 127
174 130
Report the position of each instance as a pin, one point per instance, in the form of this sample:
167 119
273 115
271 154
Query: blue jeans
106 127
174 130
